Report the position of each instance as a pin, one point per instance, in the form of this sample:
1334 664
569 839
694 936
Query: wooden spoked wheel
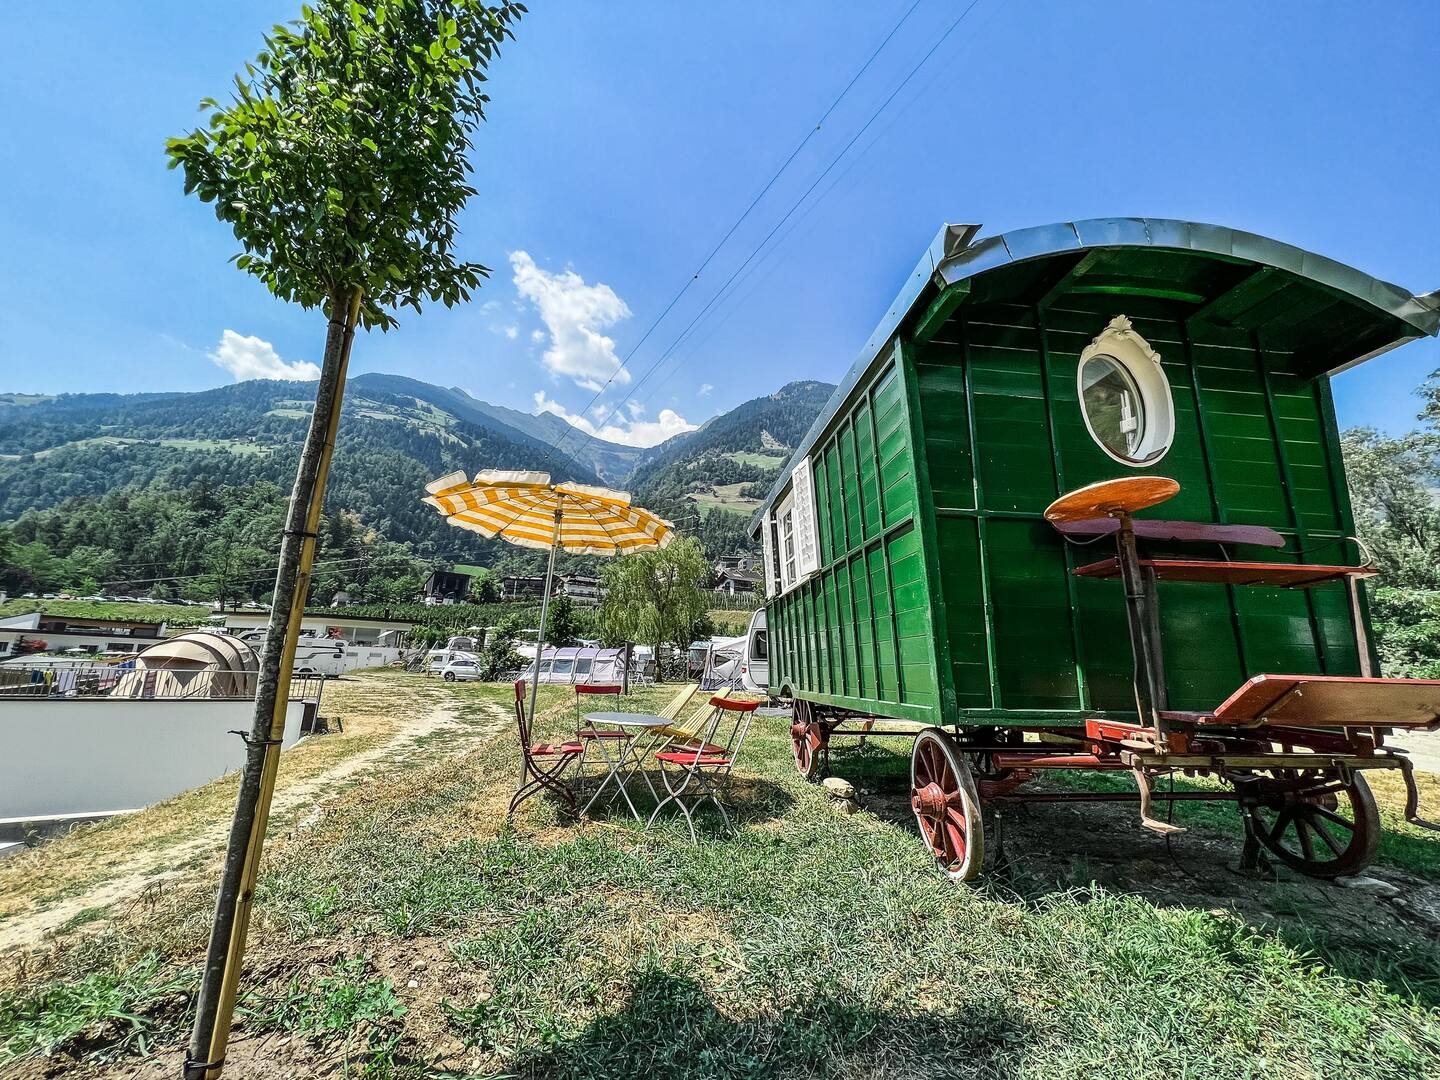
947 805
807 740
1314 822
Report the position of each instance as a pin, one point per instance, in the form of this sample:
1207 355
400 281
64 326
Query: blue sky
624 139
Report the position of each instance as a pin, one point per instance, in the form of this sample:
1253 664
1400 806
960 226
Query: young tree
656 597
484 589
339 163
499 655
562 628
1392 481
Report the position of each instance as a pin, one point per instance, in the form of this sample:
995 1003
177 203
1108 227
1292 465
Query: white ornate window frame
1120 342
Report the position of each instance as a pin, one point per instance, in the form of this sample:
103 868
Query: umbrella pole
545 608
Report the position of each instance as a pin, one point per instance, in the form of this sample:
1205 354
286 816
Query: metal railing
127 682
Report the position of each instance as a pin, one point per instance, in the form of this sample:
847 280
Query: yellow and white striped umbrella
521 507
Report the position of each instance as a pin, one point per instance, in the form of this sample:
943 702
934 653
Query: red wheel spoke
955 826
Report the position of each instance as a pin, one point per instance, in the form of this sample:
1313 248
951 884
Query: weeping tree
340 163
657 597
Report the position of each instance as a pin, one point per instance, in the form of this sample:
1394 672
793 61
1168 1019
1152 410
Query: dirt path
145 871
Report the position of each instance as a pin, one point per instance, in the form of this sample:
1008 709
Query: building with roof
446 586
61 632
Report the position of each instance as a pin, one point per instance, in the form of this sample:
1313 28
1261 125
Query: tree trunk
216 998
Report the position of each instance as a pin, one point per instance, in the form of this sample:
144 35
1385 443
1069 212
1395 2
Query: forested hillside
182 494
171 494
710 481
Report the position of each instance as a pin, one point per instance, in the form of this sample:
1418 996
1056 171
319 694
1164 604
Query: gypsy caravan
1080 504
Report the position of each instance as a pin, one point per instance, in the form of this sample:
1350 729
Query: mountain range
396 433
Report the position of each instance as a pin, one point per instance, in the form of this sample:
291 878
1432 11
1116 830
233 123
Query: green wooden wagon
1193 601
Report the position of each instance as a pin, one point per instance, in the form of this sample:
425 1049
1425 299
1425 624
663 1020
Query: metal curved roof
1044 240
952 258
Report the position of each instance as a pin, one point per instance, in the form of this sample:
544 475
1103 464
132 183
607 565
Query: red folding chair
693 769
541 764
585 731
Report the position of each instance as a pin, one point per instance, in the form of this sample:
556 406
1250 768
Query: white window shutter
807 546
767 545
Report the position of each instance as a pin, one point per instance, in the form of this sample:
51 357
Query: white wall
71 757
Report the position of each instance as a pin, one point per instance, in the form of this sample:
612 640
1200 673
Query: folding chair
541 764
692 766
586 732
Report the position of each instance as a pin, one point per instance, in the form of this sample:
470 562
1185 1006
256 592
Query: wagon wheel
807 741
1314 822
982 762
947 805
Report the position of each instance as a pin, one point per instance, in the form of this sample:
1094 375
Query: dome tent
200 664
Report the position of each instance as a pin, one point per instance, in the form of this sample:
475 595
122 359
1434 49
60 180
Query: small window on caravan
785 528
1125 397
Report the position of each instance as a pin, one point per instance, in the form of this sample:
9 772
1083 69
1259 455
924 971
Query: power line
247 576
694 344
810 134
789 213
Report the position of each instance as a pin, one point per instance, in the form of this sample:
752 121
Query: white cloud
537 336
705 388
618 429
254 358
511 332
574 313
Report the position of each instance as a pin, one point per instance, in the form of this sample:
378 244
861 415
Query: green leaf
343 157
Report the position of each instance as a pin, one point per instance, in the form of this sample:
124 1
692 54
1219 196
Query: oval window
1125 397
1113 405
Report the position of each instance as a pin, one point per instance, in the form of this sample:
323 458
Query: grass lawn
175 615
403 931
760 461
725 498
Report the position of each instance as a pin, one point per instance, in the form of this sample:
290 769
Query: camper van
329 657
458 647
738 663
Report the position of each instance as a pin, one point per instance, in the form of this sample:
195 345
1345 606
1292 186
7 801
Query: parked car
460 671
